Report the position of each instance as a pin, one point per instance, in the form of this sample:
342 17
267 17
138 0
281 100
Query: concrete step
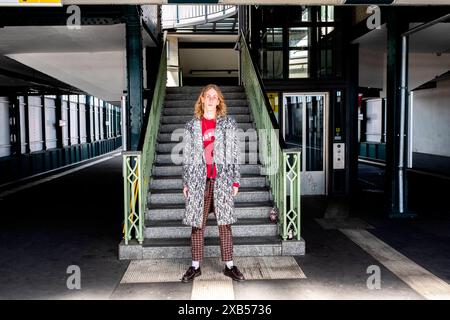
181 248
176 182
165 147
242 228
188 110
184 104
197 89
242 210
192 97
166 158
185 118
177 170
175 196
169 128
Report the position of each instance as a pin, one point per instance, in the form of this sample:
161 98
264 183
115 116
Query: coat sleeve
236 154
187 152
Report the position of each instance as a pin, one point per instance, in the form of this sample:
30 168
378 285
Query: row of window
300 46
39 122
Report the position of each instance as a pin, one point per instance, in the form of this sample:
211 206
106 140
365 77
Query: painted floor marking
418 278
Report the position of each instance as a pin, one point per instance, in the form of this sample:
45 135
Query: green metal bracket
138 165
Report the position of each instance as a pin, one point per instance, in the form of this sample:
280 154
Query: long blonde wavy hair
221 109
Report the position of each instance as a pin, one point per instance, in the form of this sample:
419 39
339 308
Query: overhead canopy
266 2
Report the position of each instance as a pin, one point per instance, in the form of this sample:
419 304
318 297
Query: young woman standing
211 176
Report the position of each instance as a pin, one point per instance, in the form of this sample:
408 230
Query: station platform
75 219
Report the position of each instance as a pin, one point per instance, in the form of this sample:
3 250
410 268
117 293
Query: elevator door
304 127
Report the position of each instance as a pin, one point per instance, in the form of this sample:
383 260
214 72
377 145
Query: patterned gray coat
226 157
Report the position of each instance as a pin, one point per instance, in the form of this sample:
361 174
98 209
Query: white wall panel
35 110
83 124
50 126
73 122
65 117
431 118
23 130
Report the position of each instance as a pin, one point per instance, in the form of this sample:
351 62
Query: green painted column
134 116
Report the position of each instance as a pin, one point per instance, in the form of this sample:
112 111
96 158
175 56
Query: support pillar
134 115
396 160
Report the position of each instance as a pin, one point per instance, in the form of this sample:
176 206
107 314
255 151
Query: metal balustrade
175 16
138 165
281 166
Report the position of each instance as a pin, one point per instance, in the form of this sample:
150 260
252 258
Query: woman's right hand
185 191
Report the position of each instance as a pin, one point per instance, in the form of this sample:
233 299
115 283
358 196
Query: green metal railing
281 166
138 165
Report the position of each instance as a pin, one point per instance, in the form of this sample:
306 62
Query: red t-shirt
208 126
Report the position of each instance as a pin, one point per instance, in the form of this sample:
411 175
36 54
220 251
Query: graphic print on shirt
208 141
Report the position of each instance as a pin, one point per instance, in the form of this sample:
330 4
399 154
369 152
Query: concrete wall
209 59
431 120
100 74
423 67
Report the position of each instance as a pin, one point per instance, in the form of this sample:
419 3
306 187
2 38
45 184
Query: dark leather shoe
234 273
190 274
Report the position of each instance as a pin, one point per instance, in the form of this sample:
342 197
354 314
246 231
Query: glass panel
314 133
305 14
325 44
82 99
326 14
298 64
293 120
271 64
296 14
272 38
298 37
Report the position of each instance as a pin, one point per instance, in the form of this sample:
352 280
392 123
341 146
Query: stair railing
280 165
138 165
176 16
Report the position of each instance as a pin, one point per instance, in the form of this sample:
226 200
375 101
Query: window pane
298 64
271 64
326 14
293 120
297 14
314 133
272 38
298 37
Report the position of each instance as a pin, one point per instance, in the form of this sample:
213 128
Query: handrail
138 165
280 165
196 14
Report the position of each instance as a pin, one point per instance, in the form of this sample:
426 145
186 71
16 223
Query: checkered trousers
197 235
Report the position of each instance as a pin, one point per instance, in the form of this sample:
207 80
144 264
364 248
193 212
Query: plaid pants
198 234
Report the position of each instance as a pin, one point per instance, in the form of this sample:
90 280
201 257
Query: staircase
165 236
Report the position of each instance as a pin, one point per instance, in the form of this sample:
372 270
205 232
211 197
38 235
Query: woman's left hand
235 191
